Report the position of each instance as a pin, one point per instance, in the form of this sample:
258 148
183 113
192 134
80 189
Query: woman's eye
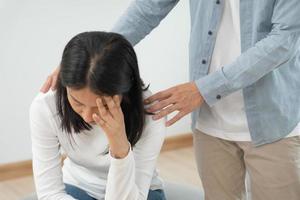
78 104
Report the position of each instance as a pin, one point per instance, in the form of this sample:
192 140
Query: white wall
32 37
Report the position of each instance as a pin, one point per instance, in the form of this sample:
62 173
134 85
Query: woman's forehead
84 96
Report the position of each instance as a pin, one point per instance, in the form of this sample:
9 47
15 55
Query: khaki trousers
274 169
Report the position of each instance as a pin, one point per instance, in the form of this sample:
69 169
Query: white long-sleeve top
86 167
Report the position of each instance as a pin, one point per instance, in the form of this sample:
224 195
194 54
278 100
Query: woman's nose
87 116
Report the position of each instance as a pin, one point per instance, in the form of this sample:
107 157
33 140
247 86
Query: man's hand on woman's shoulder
50 81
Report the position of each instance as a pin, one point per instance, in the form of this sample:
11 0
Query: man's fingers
54 82
175 118
51 81
158 96
160 105
46 86
54 78
165 112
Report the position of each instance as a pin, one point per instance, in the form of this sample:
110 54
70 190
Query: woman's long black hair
107 64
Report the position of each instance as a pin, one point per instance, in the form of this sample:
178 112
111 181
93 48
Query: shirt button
218 96
210 32
203 61
217 2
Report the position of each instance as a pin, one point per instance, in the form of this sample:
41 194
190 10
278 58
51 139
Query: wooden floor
175 166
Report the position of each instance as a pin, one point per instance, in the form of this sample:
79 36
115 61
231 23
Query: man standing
244 92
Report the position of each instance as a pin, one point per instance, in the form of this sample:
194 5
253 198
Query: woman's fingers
103 124
104 113
110 112
98 120
113 106
117 99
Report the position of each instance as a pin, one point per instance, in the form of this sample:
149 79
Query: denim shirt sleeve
141 17
266 55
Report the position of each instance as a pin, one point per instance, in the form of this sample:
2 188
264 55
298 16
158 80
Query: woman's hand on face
51 81
111 119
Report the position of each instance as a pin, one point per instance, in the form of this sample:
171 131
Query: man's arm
141 17
266 55
138 20
278 47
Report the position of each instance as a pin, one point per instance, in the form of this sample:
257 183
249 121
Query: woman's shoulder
153 127
153 134
147 93
43 104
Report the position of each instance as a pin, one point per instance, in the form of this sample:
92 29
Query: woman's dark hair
106 63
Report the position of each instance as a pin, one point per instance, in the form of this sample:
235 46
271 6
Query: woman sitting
97 118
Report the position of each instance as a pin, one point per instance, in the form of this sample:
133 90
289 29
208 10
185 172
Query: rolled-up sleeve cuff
121 161
213 87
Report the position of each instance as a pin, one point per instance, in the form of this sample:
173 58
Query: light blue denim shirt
268 70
